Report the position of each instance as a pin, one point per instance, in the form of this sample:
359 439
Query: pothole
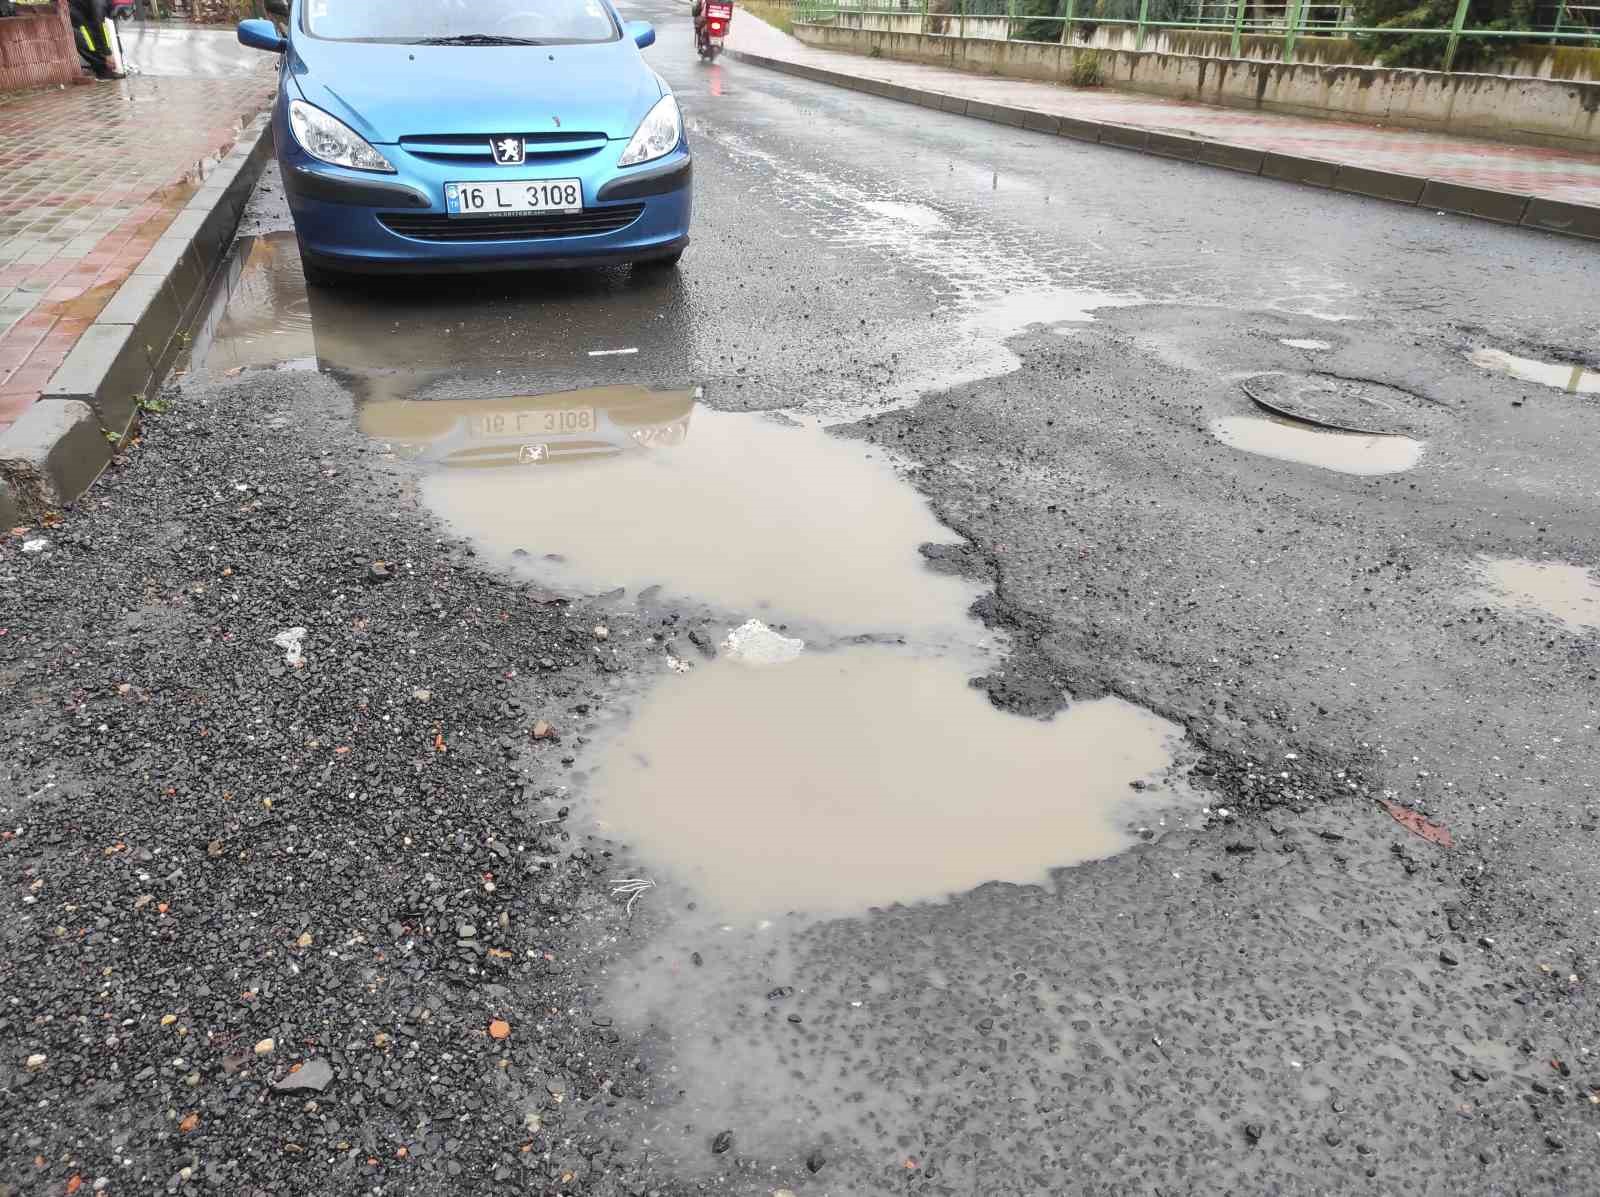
1558 590
620 486
814 785
1345 452
1340 404
1560 376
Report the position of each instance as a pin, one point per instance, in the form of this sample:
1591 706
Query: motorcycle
715 18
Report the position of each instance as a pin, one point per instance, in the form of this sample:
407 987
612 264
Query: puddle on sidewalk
1568 594
1560 376
866 776
624 487
1304 343
1344 452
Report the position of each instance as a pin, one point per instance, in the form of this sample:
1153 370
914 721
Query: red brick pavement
90 178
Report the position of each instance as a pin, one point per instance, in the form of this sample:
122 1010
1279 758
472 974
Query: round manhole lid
1344 404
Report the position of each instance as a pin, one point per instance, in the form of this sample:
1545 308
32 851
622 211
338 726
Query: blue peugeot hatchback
461 135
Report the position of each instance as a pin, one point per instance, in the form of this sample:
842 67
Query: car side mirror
262 35
643 33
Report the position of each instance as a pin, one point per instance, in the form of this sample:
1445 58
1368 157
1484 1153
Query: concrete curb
61 444
1501 207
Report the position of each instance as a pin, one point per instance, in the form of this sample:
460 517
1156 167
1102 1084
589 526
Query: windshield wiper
478 39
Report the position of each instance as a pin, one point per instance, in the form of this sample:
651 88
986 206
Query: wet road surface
1124 777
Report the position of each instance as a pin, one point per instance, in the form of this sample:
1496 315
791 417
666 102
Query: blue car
417 136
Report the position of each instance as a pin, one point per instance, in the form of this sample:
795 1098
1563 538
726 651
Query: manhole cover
1345 404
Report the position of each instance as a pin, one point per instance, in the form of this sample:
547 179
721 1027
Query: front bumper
339 214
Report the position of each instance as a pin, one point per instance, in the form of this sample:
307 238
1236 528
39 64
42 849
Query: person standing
89 30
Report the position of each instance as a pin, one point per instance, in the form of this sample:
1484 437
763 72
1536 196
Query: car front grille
535 226
464 149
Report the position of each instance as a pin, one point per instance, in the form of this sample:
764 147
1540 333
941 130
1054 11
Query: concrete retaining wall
1530 61
37 50
1527 111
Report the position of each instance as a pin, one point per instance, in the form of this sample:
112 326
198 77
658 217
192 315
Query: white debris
36 1061
37 545
601 632
754 643
292 641
678 666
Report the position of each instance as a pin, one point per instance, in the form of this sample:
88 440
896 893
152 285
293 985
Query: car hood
386 92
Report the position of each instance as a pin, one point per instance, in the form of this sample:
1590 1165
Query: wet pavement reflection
1561 376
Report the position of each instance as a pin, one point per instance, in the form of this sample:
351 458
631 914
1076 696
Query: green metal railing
1284 22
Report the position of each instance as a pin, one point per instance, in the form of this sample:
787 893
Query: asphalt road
569 899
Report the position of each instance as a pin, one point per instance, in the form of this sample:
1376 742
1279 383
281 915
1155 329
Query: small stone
815 1160
314 1075
1253 1131
379 571
1446 958
264 1047
37 545
168 1019
36 1061
722 1142
304 941
190 1121
499 1028
781 992
1554 1143
466 931
544 730
1333 1138
601 632
215 849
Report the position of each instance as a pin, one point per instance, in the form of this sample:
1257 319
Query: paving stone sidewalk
90 177
1524 170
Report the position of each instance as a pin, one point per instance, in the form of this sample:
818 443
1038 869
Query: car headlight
333 141
658 134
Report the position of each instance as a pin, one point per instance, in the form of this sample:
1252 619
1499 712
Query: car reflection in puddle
530 430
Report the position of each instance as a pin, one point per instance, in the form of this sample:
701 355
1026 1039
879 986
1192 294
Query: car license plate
514 197
557 421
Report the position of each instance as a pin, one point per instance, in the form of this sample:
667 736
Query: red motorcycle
715 17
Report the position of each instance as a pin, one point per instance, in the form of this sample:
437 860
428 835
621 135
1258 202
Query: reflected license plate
513 197
556 422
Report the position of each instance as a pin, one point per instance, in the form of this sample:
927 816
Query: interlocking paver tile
89 179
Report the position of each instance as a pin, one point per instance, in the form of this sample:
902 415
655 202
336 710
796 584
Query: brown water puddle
758 517
1345 452
1560 376
866 776
1568 594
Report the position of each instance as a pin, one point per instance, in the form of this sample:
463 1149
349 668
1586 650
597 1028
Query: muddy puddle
1343 452
1566 593
866 776
620 487
1560 376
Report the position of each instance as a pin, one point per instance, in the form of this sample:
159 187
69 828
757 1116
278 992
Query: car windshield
461 22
